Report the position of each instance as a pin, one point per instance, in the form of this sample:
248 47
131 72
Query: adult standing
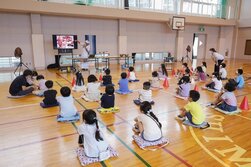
217 58
20 85
85 54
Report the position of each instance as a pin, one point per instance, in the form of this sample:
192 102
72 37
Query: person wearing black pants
217 58
20 85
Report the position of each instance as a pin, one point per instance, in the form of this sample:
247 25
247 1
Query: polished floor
31 136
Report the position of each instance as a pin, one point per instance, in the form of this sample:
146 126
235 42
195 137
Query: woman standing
217 58
85 54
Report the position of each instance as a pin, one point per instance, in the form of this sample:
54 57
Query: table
102 59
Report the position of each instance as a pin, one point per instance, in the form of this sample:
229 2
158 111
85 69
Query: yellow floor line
243 117
206 150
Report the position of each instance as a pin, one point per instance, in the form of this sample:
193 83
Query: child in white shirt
91 138
92 92
147 124
223 71
227 100
41 86
66 103
155 81
145 94
216 82
132 75
204 67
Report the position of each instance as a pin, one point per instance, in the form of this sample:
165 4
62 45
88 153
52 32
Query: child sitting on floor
132 75
226 100
92 92
184 87
145 94
123 84
50 95
183 70
80 83
223 71
192 111
201 75
204 67
91 137
108 98
155 82
107 78
162 72
41 86
216 82
66 103
147 124
239 79
32 80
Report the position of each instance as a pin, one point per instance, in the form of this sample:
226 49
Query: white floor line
27 105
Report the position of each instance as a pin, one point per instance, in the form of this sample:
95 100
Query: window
9 62
212 8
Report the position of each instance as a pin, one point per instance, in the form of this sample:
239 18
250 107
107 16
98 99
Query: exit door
199 46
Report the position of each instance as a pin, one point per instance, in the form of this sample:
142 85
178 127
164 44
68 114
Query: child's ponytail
156 119
147 109
90 118
97 134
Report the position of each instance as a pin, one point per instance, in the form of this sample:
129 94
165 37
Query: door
201 47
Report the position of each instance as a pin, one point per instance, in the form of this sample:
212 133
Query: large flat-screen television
64 41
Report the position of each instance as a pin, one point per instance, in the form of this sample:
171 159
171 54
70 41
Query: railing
207 8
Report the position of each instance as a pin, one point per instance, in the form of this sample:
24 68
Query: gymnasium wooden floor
31 136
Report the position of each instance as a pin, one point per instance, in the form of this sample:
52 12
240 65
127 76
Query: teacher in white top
217 58
85 54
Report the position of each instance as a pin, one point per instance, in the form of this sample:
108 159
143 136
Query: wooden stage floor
31 136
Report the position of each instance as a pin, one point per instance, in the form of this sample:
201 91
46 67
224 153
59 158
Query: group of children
147 124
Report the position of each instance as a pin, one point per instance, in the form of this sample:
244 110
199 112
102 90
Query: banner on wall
92 40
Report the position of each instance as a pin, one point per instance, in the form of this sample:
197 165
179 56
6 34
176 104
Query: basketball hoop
180 27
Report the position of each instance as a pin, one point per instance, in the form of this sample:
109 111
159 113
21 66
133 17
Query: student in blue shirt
239 79
123 85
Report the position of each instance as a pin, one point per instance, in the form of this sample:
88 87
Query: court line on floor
205 149
166 150
243 117
24 120
26 105
194 136
73 123
121 141
36 142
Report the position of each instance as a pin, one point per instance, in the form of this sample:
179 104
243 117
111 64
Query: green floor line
131 150
75 126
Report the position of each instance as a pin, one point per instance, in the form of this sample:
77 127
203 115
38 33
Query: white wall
15 31
245 14
106 32
243 35
212 33
150 37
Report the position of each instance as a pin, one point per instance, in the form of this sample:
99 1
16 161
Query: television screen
64 41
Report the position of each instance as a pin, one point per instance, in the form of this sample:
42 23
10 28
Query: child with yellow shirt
192 111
